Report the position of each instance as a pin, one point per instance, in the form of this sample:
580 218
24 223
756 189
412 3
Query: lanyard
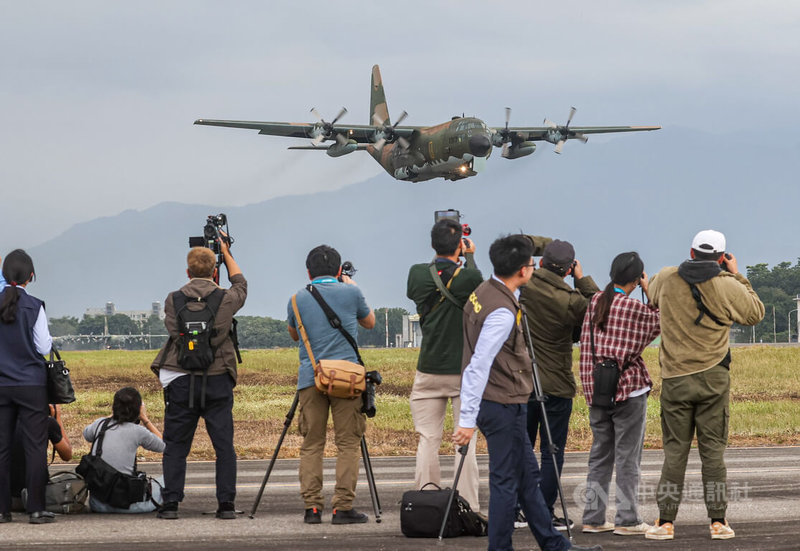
324 280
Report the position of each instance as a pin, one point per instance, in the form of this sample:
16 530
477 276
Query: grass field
765 392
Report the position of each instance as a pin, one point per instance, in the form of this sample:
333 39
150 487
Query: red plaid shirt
630 327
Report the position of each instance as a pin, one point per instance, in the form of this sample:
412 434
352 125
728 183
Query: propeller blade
508 117
400 119
505 150
380 143
549 123
582 137
559 147
403 142
571 114
376 120
319 138
316 114
340 115
341 140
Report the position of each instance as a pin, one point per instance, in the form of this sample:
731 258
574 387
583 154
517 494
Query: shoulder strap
591 332
302 330
334 320
97 446
445 290
698 298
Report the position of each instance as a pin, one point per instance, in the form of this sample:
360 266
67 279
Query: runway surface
764 510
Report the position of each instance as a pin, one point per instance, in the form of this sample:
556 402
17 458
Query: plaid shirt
630 327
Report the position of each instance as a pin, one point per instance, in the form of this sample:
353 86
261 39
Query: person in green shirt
438 377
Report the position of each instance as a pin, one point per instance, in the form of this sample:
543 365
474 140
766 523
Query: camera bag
337 378
108 484
605 374
65 493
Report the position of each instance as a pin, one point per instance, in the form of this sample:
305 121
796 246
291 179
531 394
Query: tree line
777 288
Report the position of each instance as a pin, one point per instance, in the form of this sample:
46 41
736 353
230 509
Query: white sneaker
520 521
664 531
721 531
637 530
597 528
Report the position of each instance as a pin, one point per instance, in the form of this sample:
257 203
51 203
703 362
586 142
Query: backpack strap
704 311
302 330
97 445
333 319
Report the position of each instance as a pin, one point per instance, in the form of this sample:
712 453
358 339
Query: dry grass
765 398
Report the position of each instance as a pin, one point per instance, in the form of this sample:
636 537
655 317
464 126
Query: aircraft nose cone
479 145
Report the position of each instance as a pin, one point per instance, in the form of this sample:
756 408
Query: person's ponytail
17 270
603 306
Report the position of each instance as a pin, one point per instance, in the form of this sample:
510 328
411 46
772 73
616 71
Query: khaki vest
511 376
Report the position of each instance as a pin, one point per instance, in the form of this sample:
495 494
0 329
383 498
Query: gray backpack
65 493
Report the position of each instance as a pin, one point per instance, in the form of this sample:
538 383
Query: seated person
61 445
120 443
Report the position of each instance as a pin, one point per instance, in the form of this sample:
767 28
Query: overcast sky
97 99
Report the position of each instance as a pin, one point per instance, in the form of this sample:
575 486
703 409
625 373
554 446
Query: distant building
412 333
135 315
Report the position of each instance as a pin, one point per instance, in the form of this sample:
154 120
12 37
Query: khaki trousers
695 404
429 397
348 427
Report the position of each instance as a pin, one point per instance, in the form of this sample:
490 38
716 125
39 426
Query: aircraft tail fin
377 100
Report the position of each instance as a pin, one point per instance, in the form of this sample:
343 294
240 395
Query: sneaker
42 517
313 516
226 510
561 524
721 531
520 521
351 516
665 531
5 517
637 530
168 511
597 528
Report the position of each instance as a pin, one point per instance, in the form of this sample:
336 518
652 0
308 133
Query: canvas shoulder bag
337 378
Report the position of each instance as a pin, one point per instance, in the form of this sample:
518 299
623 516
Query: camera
455 216
348 269
211 234
368 396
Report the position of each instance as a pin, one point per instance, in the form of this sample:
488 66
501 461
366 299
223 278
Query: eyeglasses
531 265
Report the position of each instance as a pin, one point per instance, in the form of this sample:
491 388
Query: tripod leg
373 490
286 424
463 451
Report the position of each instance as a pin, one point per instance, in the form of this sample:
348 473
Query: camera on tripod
368 396
455 216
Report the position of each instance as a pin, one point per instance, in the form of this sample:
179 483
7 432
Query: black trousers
25 407
180 423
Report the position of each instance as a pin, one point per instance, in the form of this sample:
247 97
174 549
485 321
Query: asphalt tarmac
764 510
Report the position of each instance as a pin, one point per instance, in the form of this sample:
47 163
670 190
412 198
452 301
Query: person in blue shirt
24 340
344 298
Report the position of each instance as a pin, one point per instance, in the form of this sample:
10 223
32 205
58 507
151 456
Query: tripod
376 504
540 397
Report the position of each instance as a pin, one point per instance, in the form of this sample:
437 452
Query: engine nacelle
337 149
520 150
405 173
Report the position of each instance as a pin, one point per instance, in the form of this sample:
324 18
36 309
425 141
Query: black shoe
168 511
313 516
561 525
226 510
5 517
42 517
350 516
583 548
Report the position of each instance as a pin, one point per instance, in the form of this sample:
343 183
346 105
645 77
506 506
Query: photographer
438 377
346 300
699 301
555 313
212 400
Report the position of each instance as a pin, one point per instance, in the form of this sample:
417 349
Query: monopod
540 397
373 490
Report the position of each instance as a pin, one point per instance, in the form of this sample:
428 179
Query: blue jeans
514 476
145 506
558 413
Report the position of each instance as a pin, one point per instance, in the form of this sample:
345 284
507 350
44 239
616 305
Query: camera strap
445 289
625 364
333 319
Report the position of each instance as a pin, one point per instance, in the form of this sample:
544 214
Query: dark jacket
20 363
511 377
440 352
555 313
225 356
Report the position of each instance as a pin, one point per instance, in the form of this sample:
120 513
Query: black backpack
196 329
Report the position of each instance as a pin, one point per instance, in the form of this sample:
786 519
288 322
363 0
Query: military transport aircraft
452 150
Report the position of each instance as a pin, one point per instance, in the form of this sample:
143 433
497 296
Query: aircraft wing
363 134
534 133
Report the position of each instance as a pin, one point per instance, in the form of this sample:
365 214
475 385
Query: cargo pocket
302 423
726 423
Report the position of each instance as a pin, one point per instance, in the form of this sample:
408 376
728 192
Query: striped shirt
630 327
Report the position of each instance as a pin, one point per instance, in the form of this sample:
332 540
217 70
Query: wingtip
198 121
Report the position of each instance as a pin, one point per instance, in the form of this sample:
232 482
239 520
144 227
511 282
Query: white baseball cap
709 241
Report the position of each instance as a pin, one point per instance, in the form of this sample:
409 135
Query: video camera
455 216
211 236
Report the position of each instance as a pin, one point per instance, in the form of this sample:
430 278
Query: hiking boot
665 531
520 521
313 516
168 511
42 517
5 517
721 531
636 530
226 510
561 524
597 528
351 516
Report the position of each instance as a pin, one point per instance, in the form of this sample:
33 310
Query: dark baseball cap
558 254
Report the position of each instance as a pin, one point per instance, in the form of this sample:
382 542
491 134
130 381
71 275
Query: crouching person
118 438
200 389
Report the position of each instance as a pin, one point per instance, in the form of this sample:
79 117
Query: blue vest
20 363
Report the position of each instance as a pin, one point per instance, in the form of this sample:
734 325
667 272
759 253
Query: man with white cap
699 301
